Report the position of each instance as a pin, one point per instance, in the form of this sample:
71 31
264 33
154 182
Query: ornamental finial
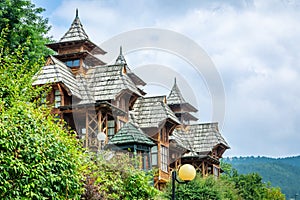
76 12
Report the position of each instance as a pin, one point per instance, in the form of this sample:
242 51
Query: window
145 161
154 155
72 63
164 159
163 135
110 128
57 99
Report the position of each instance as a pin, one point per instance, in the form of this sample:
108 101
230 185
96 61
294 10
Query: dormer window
73 63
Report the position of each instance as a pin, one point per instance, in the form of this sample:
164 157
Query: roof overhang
98 105
89 58
200 158
92 47
187 116
185 106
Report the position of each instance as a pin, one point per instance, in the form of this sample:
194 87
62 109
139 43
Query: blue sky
254 45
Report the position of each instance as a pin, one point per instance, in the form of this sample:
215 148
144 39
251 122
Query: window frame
110 128
57 99
73 63
154 155
164 158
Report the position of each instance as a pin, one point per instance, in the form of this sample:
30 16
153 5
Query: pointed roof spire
175 96
120 59
76 31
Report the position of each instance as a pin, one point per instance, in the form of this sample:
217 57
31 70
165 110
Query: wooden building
95 98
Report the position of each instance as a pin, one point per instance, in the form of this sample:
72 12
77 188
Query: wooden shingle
58 72
152 112
130 134
200 138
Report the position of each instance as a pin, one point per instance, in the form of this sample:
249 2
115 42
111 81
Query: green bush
38 158
203 189
114 176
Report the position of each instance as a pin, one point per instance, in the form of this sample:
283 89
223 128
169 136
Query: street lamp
186 173
101 137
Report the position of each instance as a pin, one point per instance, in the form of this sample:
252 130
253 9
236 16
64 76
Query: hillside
281 172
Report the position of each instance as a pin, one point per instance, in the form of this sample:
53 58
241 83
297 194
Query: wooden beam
203 169
86 129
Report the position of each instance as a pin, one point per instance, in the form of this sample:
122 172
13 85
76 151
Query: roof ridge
159 96
127 82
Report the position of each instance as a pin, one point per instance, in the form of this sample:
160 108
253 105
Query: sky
253 46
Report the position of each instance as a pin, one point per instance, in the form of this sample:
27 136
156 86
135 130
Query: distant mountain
280 172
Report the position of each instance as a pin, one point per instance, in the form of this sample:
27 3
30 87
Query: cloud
254 45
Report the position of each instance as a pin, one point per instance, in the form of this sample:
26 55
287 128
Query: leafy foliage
24 27
230 185
251 186
113 177
38 159
281 172
203 189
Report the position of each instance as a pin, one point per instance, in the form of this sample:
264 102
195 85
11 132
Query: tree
250 186
24 27
39 159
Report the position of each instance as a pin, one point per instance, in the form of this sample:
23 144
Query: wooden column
86 129
203 169
149 159
99 144
159 154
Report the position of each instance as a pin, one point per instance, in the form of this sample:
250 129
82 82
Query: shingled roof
76 31
76 34
204 137
200 138
152 112
57 72
130 134
178 136
99 84
175 98
85 91
107 82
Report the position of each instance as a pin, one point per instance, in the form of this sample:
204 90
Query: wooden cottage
96 99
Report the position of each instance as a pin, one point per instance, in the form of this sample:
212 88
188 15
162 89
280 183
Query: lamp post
101 137
186 173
